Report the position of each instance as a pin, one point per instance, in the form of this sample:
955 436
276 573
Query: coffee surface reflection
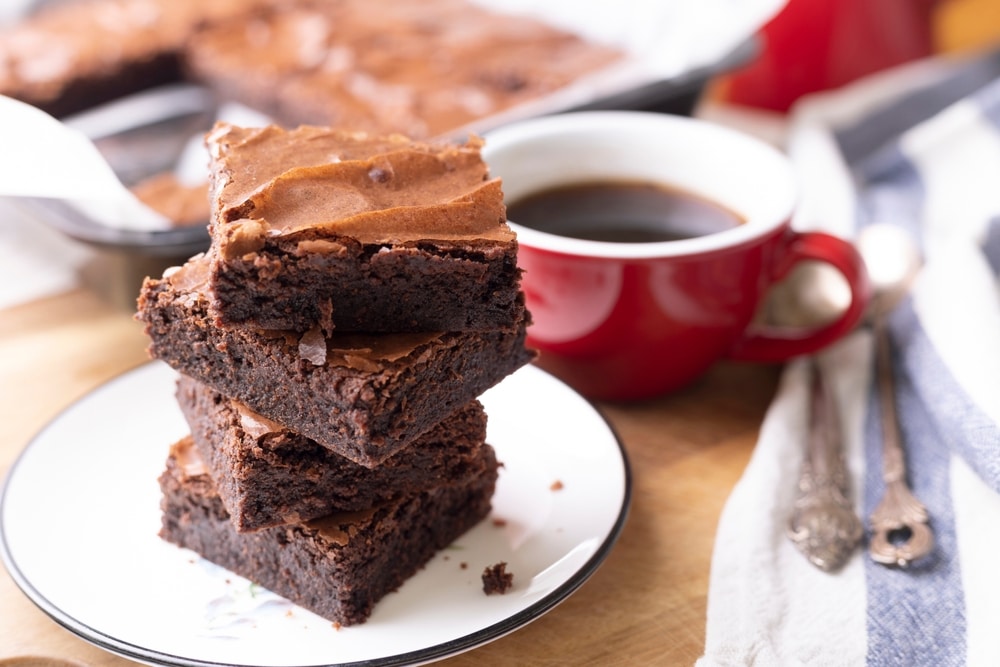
621 212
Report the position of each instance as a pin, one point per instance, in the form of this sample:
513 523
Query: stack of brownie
359 294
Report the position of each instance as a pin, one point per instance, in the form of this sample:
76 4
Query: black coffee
622 212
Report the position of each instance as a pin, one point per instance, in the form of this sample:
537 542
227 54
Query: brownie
71 56
183 204
423 69
364 396
267 475
337 566
496 579
391 66
357 232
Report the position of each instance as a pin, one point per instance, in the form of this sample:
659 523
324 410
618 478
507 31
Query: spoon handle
823 524
900 530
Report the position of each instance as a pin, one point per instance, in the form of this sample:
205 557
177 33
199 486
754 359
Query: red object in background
814 45
624 321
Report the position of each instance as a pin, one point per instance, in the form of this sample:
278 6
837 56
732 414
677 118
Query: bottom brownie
338 566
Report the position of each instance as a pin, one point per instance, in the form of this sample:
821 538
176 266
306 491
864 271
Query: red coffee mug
625 321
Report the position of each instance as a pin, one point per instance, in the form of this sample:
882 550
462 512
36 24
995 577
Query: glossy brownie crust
338 566
363 408
267 475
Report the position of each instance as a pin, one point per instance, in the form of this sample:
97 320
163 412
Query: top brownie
356 232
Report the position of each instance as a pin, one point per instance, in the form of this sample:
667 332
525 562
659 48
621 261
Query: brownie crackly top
313 183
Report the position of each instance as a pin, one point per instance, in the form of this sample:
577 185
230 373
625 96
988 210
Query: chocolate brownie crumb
496 579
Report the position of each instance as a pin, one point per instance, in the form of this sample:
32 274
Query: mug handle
771 344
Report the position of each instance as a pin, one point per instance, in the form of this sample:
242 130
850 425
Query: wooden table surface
645 605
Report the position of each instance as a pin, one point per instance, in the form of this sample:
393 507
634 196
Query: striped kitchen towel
917 147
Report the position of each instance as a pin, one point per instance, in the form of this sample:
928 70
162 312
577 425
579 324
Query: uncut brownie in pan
337 566
364 396
355 232
71 56
267 475
421 68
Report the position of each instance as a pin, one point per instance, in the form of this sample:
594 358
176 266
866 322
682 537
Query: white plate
80 515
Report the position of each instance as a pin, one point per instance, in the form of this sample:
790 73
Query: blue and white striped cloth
918 147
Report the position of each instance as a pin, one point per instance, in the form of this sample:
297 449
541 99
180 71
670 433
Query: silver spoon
823 524
900 530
